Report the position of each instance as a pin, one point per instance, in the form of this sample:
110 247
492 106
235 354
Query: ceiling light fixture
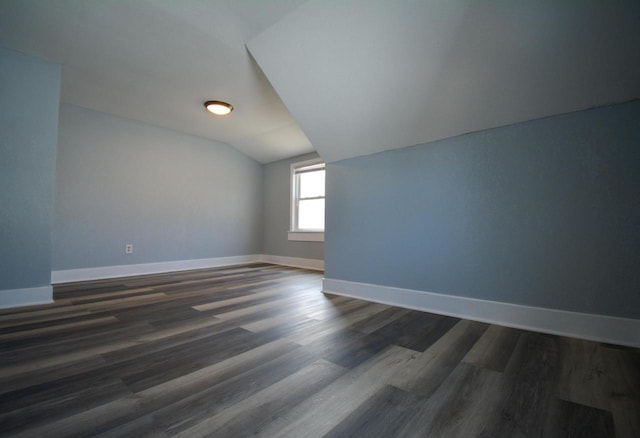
218 108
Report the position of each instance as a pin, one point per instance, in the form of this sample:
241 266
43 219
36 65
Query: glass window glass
312 184
311 214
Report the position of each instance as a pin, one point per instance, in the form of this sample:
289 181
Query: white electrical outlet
128 248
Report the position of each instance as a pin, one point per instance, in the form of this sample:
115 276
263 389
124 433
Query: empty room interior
316 218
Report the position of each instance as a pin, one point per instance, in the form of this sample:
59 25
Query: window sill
307 236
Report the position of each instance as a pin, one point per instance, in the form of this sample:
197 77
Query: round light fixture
218 108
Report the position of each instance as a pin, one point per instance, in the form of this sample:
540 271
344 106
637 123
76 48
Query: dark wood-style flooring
258 350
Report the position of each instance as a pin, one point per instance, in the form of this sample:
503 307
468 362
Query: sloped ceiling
351 77
158 61
362 76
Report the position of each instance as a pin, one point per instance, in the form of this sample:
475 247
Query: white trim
26 297
86 274
297 262
306 236
600 328
305 163
103 272
293 195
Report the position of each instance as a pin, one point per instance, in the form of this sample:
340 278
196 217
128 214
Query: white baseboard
600 328
297 262
103 272
26 297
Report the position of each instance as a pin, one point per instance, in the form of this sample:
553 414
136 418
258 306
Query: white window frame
294 233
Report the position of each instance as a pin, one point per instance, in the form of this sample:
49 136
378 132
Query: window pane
312 184
311 214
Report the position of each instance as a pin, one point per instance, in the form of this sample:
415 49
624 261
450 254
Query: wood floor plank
266 320
139 411
259 350
529 377
621 366
160 342
576 420
17 324
26 408
279 324
379 320
210 401
25 378
494 349
251 415
94 298
256 308
272 291
463 405
142 427
417 330
337 309
170 363
317 415
625 417
582 379
430 369
322 328
384 414
55 329
38 352
348 348
20 312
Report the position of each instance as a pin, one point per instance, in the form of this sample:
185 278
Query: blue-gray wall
172 195
277 198
29 99
543 213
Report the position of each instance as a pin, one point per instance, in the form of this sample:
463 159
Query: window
307 201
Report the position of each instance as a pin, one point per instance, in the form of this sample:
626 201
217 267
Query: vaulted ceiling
363 76
346 78
158 61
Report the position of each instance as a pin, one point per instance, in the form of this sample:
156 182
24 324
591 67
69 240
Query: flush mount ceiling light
218 108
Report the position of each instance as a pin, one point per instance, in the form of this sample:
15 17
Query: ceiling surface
356 76
158 61
363 76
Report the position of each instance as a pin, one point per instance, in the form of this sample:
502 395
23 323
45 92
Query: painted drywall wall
173 196
277 198
30 96
543 213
